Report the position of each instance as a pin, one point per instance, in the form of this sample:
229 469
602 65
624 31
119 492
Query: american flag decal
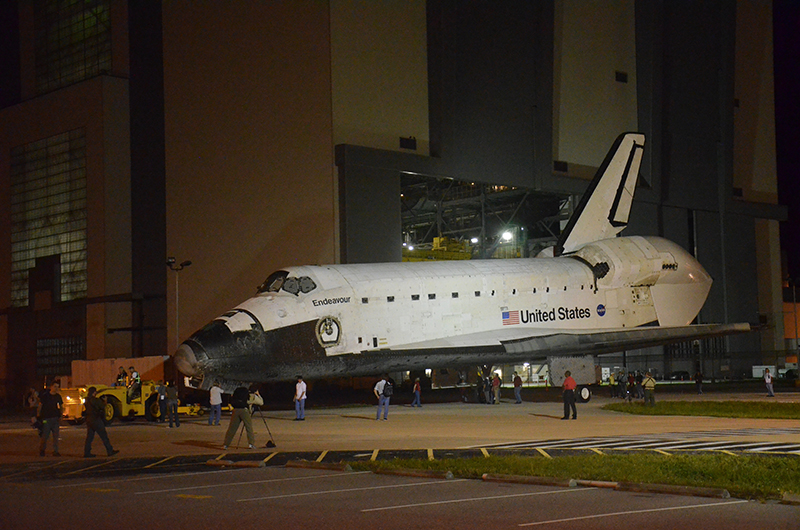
510 318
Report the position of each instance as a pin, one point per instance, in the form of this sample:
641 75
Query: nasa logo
601 310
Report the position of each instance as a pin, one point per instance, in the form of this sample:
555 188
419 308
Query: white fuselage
376 306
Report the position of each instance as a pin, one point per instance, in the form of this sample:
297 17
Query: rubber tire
151 409
113 410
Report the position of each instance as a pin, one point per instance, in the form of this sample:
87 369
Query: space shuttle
594 292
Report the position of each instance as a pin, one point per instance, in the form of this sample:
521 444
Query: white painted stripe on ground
348 490
631 512
159 476
244 483
474 499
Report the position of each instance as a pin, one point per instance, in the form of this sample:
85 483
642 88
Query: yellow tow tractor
117 405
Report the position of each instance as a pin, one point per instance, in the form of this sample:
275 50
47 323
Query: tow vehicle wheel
584 394
151 409
113 409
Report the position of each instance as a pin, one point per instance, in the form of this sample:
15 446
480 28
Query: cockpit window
273 283
291 285
281 280
307 284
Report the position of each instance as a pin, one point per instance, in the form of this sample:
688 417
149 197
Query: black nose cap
186 361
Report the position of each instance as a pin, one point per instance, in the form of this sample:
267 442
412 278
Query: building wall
754 168
594 40
379 73
249 148
100 107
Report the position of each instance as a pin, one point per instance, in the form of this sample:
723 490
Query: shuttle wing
504 346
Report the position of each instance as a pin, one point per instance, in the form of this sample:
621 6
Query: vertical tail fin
604 209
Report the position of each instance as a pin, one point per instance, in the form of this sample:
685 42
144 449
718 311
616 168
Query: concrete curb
619 486
421 473
231 463
674 490
307 464
790 498
523 479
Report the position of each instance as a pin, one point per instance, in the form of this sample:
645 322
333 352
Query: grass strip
745 476
723 409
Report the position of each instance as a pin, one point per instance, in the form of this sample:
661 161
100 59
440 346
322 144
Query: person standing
517 388
215 400
30 401
241 401
649 385
612 383
161 390
172 405
496 388
638 382
768 382
300 390
568 395
49 414
95 416
698 382
417 393
383 391
622 391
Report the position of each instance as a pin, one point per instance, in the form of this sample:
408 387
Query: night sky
787 125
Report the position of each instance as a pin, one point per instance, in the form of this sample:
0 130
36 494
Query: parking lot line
265 481
148 466
474 499
101 464
349 490
631 512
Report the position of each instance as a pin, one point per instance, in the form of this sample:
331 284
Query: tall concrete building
247 136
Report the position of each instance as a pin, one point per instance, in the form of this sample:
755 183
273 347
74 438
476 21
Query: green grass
724 409
751 477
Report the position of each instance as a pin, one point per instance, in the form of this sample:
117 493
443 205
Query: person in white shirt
768 382
215 399
300 399
383 391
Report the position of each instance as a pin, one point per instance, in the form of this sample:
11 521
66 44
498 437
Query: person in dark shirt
95 423
122 377
49 414
241 401
172 405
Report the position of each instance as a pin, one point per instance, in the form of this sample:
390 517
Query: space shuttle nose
186 361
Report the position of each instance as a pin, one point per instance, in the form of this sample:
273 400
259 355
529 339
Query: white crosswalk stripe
674 441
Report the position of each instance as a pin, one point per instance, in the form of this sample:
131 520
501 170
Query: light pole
171 263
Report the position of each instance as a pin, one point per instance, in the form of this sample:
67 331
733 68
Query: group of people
48 417
488 389
133 381
636 385
49 408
